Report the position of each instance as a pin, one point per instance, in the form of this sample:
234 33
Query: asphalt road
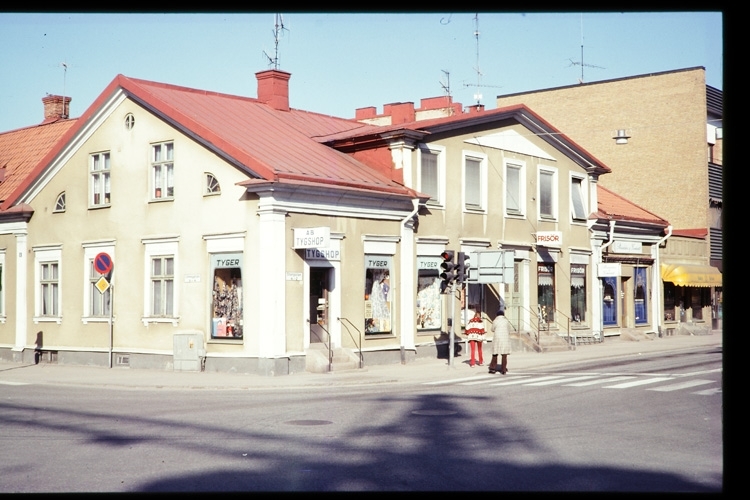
646 424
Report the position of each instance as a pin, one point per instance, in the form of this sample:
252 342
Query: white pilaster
269 255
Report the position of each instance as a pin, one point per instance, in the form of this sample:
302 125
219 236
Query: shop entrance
513 307
320 286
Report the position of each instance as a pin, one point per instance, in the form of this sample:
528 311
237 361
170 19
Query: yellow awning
685 275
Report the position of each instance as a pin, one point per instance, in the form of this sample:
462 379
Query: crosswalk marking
601 381
8 382
572 379
681 385
634 383
522 379
709 392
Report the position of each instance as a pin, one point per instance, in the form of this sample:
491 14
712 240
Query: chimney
56 107
273 88
476 108
400 112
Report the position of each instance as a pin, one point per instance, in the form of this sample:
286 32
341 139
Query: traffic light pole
452 335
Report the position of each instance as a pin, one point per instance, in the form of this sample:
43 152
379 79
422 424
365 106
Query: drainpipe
601 284
656 284
407 265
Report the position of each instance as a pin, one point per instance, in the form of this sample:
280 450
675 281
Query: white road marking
523 379
708 392
681 385
8 382
572 379
600 381
634 383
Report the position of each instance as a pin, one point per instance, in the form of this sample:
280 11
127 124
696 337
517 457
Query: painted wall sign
226 260
331 254
312 237
619 246
549 238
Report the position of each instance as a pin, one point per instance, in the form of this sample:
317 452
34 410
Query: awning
685 275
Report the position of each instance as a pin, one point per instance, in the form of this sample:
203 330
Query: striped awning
687 275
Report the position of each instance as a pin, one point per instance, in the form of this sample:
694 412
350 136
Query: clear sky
343 61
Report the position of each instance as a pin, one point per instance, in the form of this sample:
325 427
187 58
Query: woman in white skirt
500 342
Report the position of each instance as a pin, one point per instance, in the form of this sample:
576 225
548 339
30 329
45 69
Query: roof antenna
65 110
575 63
278 31
478 85
447 84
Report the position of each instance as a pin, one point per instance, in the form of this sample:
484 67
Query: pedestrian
475 332
500 342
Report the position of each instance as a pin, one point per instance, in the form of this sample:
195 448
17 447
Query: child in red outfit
475 332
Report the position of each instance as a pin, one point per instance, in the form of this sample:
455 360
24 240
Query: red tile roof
699 232
22 149
614 207
264 142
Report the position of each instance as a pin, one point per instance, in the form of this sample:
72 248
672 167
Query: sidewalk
420 370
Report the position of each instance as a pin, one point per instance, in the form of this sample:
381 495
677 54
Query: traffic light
463 264
449 270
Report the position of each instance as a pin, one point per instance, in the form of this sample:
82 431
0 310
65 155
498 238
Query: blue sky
339 61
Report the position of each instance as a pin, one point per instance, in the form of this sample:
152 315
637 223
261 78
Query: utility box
189 351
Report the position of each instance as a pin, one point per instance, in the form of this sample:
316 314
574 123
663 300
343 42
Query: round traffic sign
102 263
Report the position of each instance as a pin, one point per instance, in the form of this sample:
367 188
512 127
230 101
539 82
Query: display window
578 292
609 306
226 297
546 292
378 294
429 300
641 295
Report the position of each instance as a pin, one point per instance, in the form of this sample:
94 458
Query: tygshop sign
312 237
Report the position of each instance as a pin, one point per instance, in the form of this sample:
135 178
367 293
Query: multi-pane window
100 303
513 190
50 289
577 206
60 202
162 166
99 167
429 300
578 292
212 184
547 194
429 175
473 183
162 286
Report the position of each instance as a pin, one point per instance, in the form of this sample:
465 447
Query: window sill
48 319
231 341
95 319
173 321
160 200
380 335
97 207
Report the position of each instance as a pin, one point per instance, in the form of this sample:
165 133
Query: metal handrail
358 344
326 344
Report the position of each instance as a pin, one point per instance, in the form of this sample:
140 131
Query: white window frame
161 183
521 167
553 194
160 248
440 152
481 158
100 179
211 188
90 251
581 179
47 255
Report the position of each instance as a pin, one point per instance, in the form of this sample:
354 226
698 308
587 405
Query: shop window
429 300
546 292
669 301
378 294
641 295
226 306
700 298
578 293
610 301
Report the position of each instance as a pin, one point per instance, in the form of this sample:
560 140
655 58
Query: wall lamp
621 137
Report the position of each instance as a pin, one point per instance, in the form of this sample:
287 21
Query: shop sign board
609 269
311 237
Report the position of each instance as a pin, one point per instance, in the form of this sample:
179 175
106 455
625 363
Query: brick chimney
273 88
56 107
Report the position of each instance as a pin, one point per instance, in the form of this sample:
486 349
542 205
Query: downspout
601 283
407 266
656 284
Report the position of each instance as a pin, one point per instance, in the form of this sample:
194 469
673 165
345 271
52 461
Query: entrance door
319 304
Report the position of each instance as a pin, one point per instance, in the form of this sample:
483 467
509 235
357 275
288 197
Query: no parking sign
103 263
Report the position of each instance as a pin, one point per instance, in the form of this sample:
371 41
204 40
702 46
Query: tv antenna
582 64
447 84
278 31
478 85
65 110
